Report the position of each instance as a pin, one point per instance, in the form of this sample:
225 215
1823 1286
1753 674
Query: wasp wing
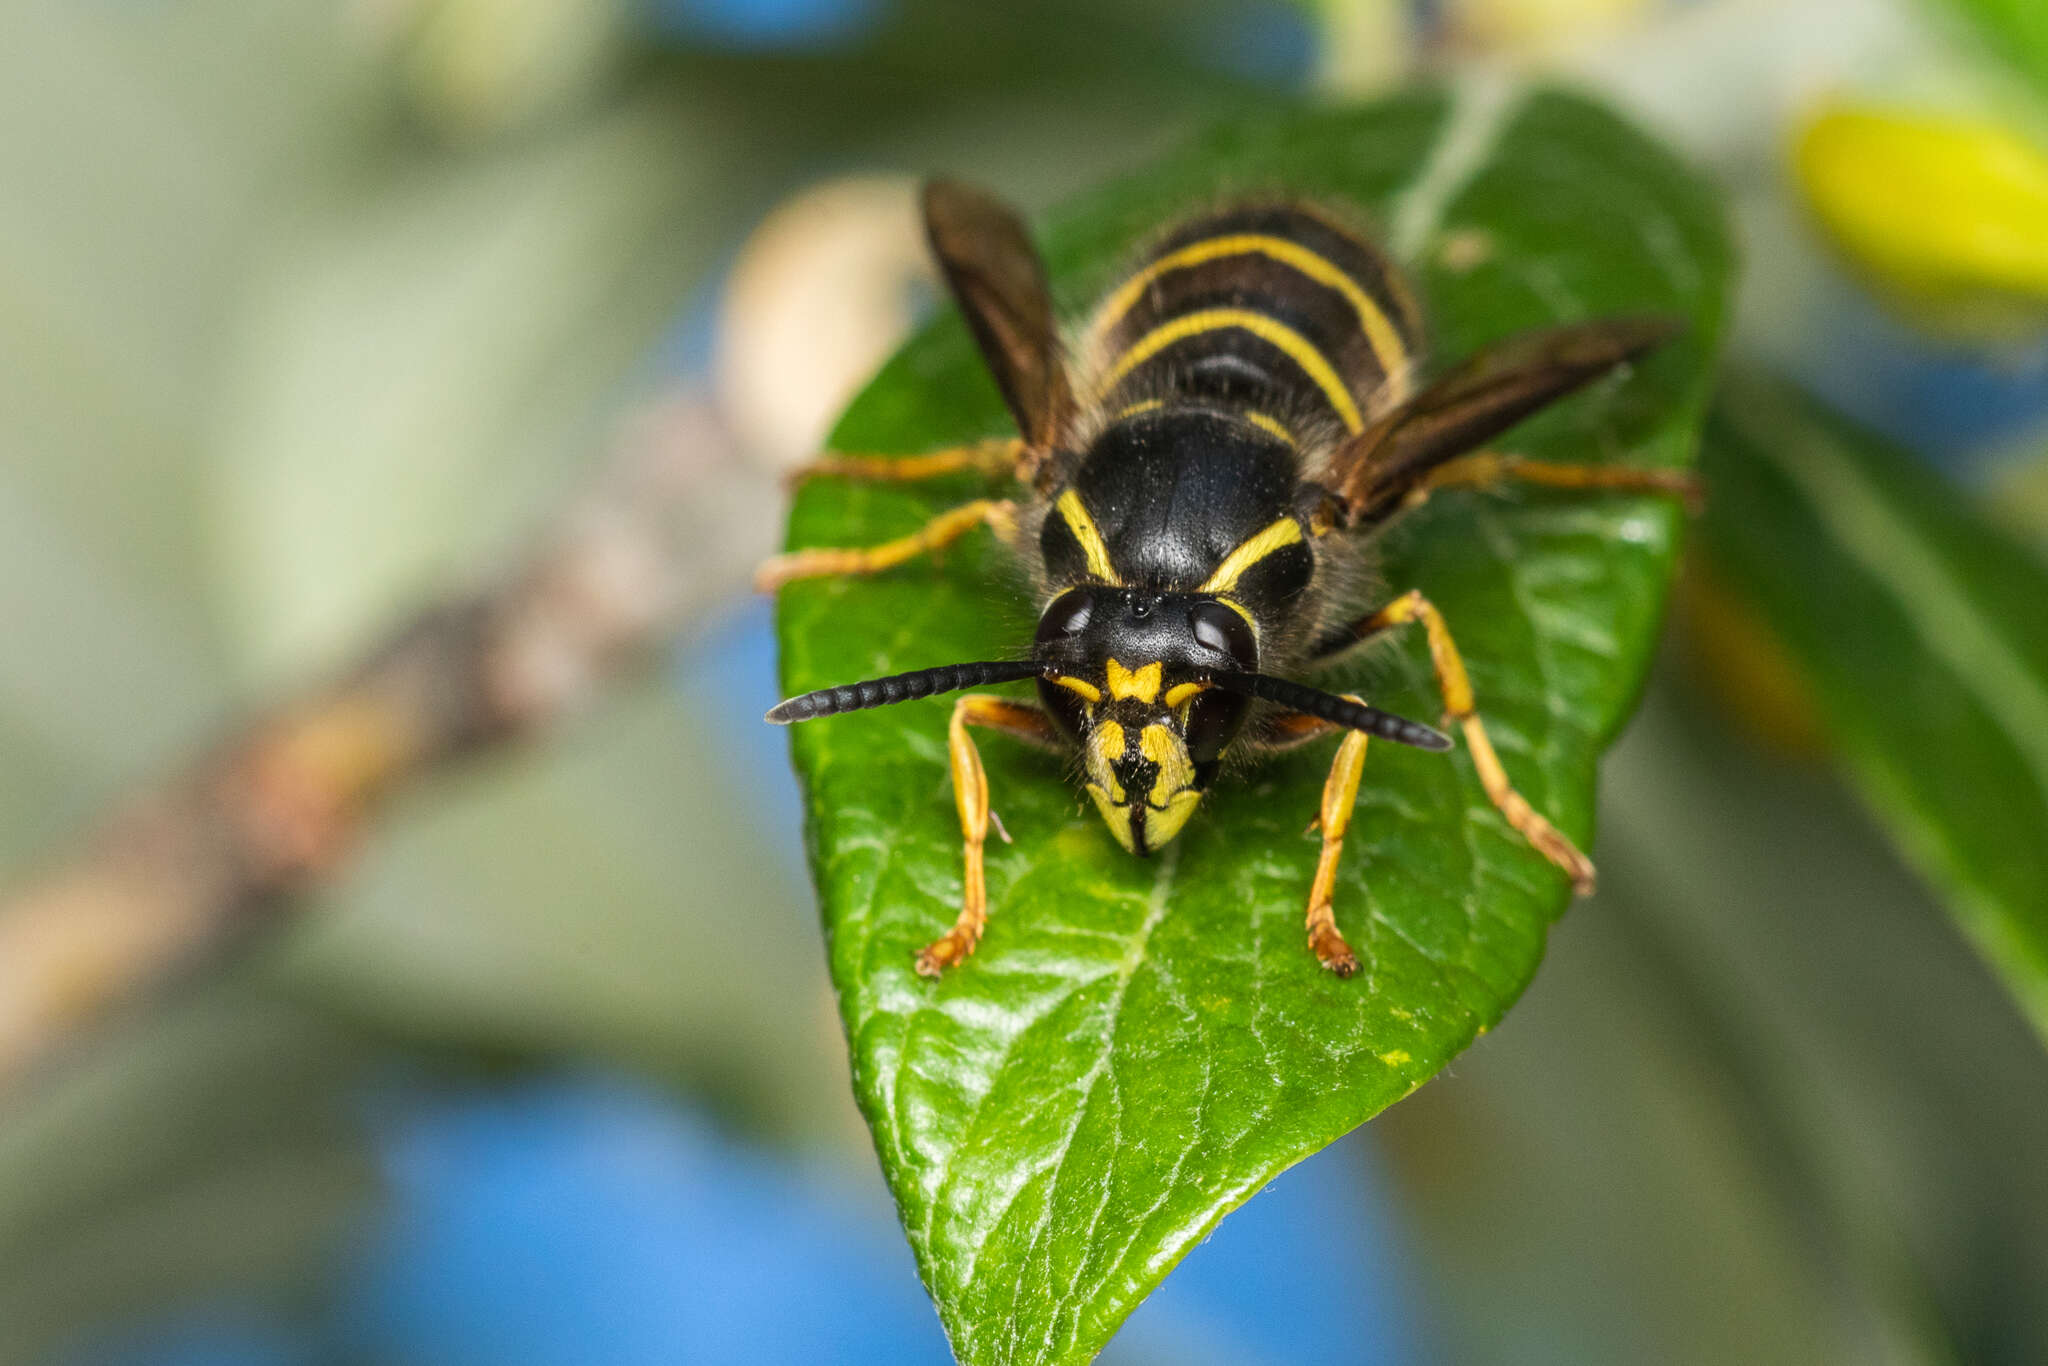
1374 472
997 277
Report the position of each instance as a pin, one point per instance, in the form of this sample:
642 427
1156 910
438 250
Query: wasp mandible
1243 414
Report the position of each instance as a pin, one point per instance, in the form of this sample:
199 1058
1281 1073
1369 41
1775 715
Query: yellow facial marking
1150 405
1380 331
1143 684
1176 771
1270 330
1272 426
1281 534
1106 745
1115 815
1181 692
1156 815
1162 825
1088 691
1075 514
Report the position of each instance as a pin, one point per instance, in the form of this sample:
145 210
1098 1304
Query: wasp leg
1489 469
1340 796
1002 455
998 514
1456 688
1289 730
970 795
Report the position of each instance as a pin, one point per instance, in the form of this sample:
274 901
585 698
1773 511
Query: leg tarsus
1000 515
1000 455
970 797
1546 838
1340 797
1460 709
1488 469
1328 945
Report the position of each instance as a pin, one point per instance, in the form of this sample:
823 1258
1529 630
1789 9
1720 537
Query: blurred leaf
1138 1047
1760 1132
1948 215
1923 630
2017 28
2017 497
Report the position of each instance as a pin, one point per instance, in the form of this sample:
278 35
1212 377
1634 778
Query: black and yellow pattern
1239 351
1271 311
1250 393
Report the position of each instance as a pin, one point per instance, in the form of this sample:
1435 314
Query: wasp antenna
883 692
1336 710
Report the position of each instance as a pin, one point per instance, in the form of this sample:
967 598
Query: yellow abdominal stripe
1271 426
1296 347
1380 332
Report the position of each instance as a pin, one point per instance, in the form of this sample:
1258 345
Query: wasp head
1132 692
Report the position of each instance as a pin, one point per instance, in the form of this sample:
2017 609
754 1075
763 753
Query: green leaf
1923 632
1139 1046
2017 29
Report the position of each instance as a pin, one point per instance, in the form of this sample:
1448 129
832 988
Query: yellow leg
1458 707
1485 469
998 514
970 795
997 455
1340 796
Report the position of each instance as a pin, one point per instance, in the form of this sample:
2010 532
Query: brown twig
274 808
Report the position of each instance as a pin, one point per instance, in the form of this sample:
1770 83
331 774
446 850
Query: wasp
1199 475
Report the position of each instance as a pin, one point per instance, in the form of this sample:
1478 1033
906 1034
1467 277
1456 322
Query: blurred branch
282 801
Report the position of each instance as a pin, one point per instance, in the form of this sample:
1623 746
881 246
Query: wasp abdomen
1273 311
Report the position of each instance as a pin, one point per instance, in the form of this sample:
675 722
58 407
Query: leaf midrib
1046 1270
1157 903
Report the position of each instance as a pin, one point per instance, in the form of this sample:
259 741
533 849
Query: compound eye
1222 631
1066 616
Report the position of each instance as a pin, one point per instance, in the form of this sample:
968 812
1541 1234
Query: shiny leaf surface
1139 1046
